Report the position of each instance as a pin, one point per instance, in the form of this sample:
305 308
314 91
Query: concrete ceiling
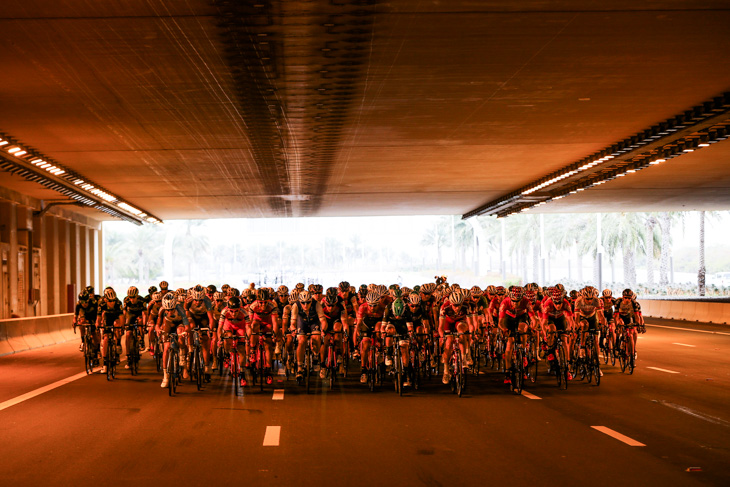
223 108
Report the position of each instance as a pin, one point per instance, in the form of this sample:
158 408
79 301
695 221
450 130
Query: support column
52 273
64 267
9 235
84 261
75 252
98 275
39 241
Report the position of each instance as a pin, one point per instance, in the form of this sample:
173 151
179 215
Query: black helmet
331 296
152 289
83 296
627 293
234 302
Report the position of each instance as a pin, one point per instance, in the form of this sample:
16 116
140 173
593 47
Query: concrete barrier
18 334
700 311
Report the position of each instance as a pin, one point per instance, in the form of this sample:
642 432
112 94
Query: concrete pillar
53 294
39 241
98 262
75 251
84 261
64 262
9 235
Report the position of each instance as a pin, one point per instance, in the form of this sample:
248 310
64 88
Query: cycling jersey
134 309
627 309
553 310
588 307
451 317
307 321
333 314
401 323
197 312
109 313
263 312
370 317
88 312
233 320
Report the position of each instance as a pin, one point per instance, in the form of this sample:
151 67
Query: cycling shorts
558 321
592 321
513 324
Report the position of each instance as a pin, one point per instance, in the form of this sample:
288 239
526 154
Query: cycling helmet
164 285
90 290
198 295
282 290
344 286
169 301
428 288
372 298
556 295
294 297
382 289
317 289
331 297
573 294
305 297
414 299
394 286
560 288
607 293
590 292
225 288
235 292
395 292
398 307
217 296
156 296
363 291
516 293
83 296
211 288
109 293
531 296
299 286
531 286
405 291
417 288
476 291
132 292
262 294
457 297
353 290
233 302
151 289
491 290
500 291
247 295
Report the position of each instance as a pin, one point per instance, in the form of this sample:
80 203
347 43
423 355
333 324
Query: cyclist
199 312
109 317
264 321
172 317
281 299
219 304
369 317
233 321
454 317
135 315
628 311
418 318
150 291
588 314
153 313
557 318
348 297
336 320
85 315
515 313
307 317
164 288
397 320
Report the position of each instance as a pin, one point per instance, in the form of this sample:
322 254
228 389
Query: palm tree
523 232
625 231
438 235
651 223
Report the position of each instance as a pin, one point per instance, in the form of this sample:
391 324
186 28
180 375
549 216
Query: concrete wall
705 312
19 334
46 258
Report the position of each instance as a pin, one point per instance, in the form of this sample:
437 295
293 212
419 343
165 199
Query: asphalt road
88 431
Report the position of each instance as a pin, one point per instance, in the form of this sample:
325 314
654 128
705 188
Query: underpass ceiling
224 109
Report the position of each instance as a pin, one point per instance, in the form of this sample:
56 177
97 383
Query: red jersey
515 310
549 308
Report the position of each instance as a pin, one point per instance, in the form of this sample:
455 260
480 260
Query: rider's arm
320 314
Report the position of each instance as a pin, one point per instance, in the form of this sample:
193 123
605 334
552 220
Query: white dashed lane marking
618 436
530 396
271 438
683 345
278 395
663 370
41 390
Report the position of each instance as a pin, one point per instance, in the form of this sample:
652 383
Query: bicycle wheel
562 370
612 350
532 367
519 371
331 366
458 373
623 354
235 371
307 367
477 358
158 356
597 371
398 371
631 363
170 369
260 367
197 366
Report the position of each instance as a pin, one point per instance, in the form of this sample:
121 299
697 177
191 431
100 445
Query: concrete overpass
156 110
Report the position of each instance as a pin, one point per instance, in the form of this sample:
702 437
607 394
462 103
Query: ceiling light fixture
35 167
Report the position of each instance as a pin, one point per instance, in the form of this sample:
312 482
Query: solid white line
41 390
683 345
271 438
663 370
618 436
278 395
690 329
530 396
